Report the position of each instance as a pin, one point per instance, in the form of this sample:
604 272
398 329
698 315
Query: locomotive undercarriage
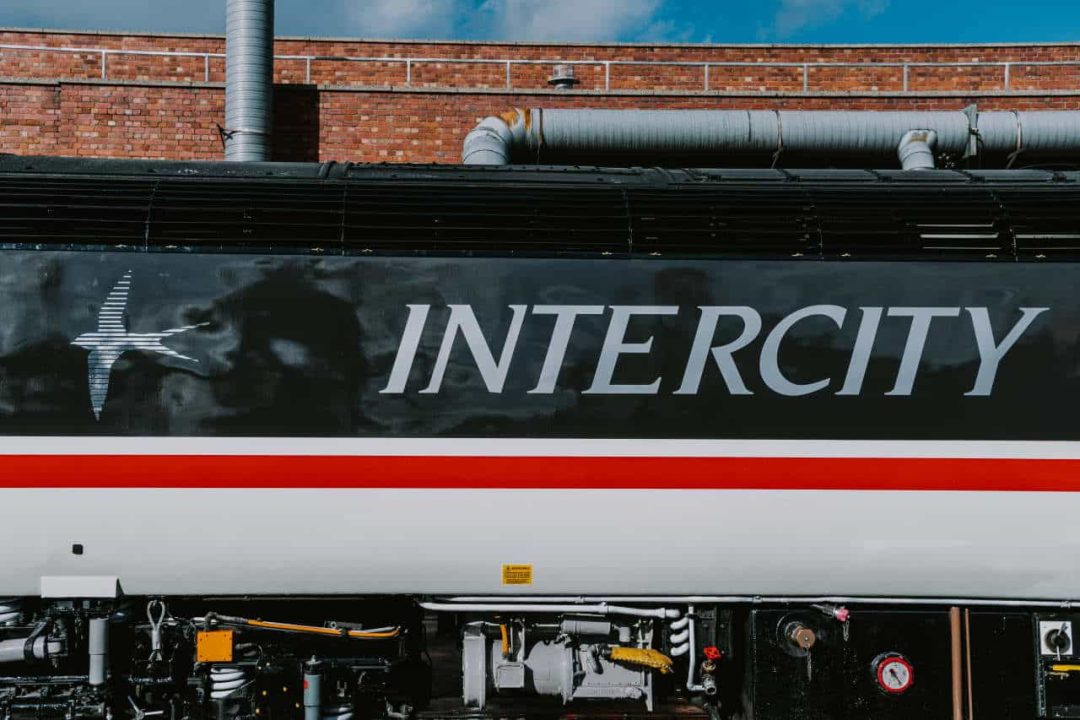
401 657
335 659
180 658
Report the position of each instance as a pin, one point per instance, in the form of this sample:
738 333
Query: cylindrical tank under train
313 440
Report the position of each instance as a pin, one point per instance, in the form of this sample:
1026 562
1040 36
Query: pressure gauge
894 673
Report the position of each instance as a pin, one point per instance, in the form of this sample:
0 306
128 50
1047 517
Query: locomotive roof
67 166
345 208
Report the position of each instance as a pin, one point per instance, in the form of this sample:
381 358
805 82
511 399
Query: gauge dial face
894 673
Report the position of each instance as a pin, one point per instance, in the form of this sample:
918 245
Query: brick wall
162 97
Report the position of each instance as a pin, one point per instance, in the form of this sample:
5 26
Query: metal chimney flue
563 77
249 79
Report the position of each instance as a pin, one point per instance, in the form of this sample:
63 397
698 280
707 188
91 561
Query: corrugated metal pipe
916 150
912 137
249 79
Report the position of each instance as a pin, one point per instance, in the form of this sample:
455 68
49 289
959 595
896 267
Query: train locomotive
338 441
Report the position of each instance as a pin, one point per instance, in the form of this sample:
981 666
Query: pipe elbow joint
491 142
487 144
916 150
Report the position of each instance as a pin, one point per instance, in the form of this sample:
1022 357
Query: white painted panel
80 586
976 544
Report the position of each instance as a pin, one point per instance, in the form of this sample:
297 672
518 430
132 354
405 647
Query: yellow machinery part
214 646
642 656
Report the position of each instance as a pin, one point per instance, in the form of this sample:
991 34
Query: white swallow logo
113 340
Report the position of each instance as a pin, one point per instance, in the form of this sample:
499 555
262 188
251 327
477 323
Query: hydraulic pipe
387 633
1062 604
598 609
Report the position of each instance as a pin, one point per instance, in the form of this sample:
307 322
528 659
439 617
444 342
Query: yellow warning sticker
517 575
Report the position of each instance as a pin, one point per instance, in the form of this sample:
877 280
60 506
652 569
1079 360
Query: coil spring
226 680
679 636
10 611
338 712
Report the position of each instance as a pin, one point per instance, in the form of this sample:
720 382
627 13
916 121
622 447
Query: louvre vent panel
637 212
386 217
64 212
247 215
1045 223
739 220
912 221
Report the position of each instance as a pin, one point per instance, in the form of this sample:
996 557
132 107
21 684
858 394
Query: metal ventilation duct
634 133
916 150
249 79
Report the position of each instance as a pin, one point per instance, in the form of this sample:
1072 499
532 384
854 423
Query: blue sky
722 21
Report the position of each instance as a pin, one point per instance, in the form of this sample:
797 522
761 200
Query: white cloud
403 18
370 18
572 20
541 20
796 15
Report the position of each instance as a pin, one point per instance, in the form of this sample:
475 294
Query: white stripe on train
538 447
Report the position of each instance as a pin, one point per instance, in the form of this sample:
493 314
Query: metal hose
383 633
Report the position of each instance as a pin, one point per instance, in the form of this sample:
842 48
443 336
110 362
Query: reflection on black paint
298 365
303 346
43 389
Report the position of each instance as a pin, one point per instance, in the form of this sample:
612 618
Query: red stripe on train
756 473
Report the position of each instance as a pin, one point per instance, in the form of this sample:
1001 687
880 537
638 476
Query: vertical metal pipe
249 79
967 664
957 661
